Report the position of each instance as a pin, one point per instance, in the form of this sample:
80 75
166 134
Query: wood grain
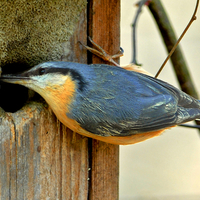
104 28
42 159
39 157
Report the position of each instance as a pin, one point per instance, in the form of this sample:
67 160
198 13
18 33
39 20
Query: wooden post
39 157
104 28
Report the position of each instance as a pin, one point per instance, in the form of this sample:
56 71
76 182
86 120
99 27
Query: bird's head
54 81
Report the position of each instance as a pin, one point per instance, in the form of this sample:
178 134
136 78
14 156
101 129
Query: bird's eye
41 71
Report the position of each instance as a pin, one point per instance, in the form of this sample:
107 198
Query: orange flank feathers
123 140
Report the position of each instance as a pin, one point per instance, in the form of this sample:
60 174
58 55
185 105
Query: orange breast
59 98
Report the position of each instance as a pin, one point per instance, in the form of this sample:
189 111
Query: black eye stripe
74 74
41 71
57 70
48 70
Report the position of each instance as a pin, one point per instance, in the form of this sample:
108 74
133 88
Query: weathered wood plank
39 157
42 159
104 28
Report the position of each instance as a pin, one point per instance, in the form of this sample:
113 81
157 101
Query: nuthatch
108 103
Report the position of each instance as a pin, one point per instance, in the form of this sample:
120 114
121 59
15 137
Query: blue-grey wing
121 102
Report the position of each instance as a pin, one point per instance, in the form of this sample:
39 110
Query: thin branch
169 38
190 126
178 41
139 4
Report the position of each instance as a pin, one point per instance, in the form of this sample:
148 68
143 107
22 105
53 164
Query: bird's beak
15 78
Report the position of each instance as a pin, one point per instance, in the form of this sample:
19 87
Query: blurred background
166 167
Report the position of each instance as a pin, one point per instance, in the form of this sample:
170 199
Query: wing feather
118 102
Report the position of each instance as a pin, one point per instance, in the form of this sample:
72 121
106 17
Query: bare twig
178 41
169 38
100 52
190 126
139 4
